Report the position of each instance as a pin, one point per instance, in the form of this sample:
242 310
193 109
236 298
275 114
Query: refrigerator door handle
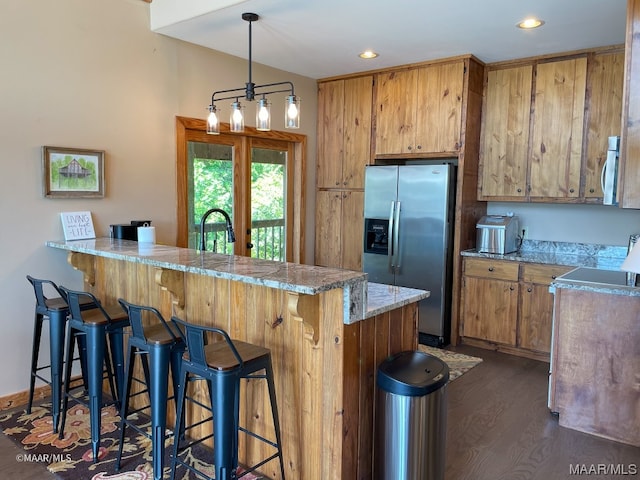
396 238
390 239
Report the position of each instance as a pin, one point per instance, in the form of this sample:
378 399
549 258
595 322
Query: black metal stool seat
160 347
96 326
56 310
222 364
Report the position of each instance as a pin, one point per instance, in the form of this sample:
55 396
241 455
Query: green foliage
60 182
213 187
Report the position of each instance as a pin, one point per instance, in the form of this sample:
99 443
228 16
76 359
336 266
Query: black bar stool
222 364
161 346
96 325
56 310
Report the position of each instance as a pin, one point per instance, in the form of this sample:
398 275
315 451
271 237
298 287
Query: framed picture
72 172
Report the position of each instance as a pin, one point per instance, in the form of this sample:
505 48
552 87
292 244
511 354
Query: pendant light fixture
249 92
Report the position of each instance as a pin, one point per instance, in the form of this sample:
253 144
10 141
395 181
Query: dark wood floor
499 428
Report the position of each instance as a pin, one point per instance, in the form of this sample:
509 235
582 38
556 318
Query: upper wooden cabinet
505 135
629 173
344 132
545 127
558 117
419 110
604 107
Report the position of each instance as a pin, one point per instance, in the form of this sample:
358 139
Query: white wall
91 74
594 224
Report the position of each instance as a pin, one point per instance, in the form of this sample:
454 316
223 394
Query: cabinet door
629 177
395 112
505 133
490 309
328 251
606 79
358 98
536 306
439 108
330 134
556 148
352 230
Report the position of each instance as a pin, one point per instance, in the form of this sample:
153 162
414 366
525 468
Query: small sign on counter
77 225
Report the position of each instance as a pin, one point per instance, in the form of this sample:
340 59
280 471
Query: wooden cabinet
507 305
629 173
419 110
604 107
558 117
545 127
339 227
536 306
505 134
344 132
490 300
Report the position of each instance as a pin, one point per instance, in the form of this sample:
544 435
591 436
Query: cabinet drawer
488 268
543 274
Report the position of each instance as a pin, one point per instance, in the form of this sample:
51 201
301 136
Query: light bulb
292 112
237 118
263 115
213 126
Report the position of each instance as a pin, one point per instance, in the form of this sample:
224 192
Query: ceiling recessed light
528 23
368 54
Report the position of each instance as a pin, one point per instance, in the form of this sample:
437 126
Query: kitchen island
327 330
594 383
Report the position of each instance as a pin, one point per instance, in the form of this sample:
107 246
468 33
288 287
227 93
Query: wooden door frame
296 229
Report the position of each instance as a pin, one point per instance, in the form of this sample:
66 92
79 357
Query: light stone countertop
361 300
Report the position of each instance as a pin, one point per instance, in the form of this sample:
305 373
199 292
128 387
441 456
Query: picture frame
72 172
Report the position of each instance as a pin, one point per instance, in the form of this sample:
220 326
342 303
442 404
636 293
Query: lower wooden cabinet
507 306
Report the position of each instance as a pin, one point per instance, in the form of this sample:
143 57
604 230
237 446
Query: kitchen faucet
230 235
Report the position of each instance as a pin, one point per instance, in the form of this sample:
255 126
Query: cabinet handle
409 147
491 269
419 147
529 289
511 288
571 190
337 183
519 190
553 277
592 190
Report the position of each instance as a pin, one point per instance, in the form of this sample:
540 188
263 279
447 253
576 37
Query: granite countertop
605 257
592 256
361 300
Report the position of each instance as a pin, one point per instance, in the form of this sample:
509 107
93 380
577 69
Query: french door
250 176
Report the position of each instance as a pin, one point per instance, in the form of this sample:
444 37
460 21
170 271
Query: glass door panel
210 177
268 200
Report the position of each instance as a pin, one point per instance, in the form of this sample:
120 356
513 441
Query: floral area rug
458 363
70 458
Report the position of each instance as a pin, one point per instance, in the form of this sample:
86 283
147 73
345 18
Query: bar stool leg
57 324
159 362
67 380
178 432
274 414
35 350
95 343
124 409
117 358
225 432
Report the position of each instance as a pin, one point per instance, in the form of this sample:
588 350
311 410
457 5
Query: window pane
211 186
268 181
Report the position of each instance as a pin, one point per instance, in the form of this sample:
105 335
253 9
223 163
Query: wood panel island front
327 330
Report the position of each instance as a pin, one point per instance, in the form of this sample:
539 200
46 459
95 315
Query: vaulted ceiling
322 38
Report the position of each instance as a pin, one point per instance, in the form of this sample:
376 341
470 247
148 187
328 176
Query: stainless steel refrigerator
409 216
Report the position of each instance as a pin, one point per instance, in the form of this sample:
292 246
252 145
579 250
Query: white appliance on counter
609 175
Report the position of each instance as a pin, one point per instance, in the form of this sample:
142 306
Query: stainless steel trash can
411 417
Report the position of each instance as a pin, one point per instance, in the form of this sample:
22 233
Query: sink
594 276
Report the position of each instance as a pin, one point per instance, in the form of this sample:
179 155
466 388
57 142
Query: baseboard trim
22 398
